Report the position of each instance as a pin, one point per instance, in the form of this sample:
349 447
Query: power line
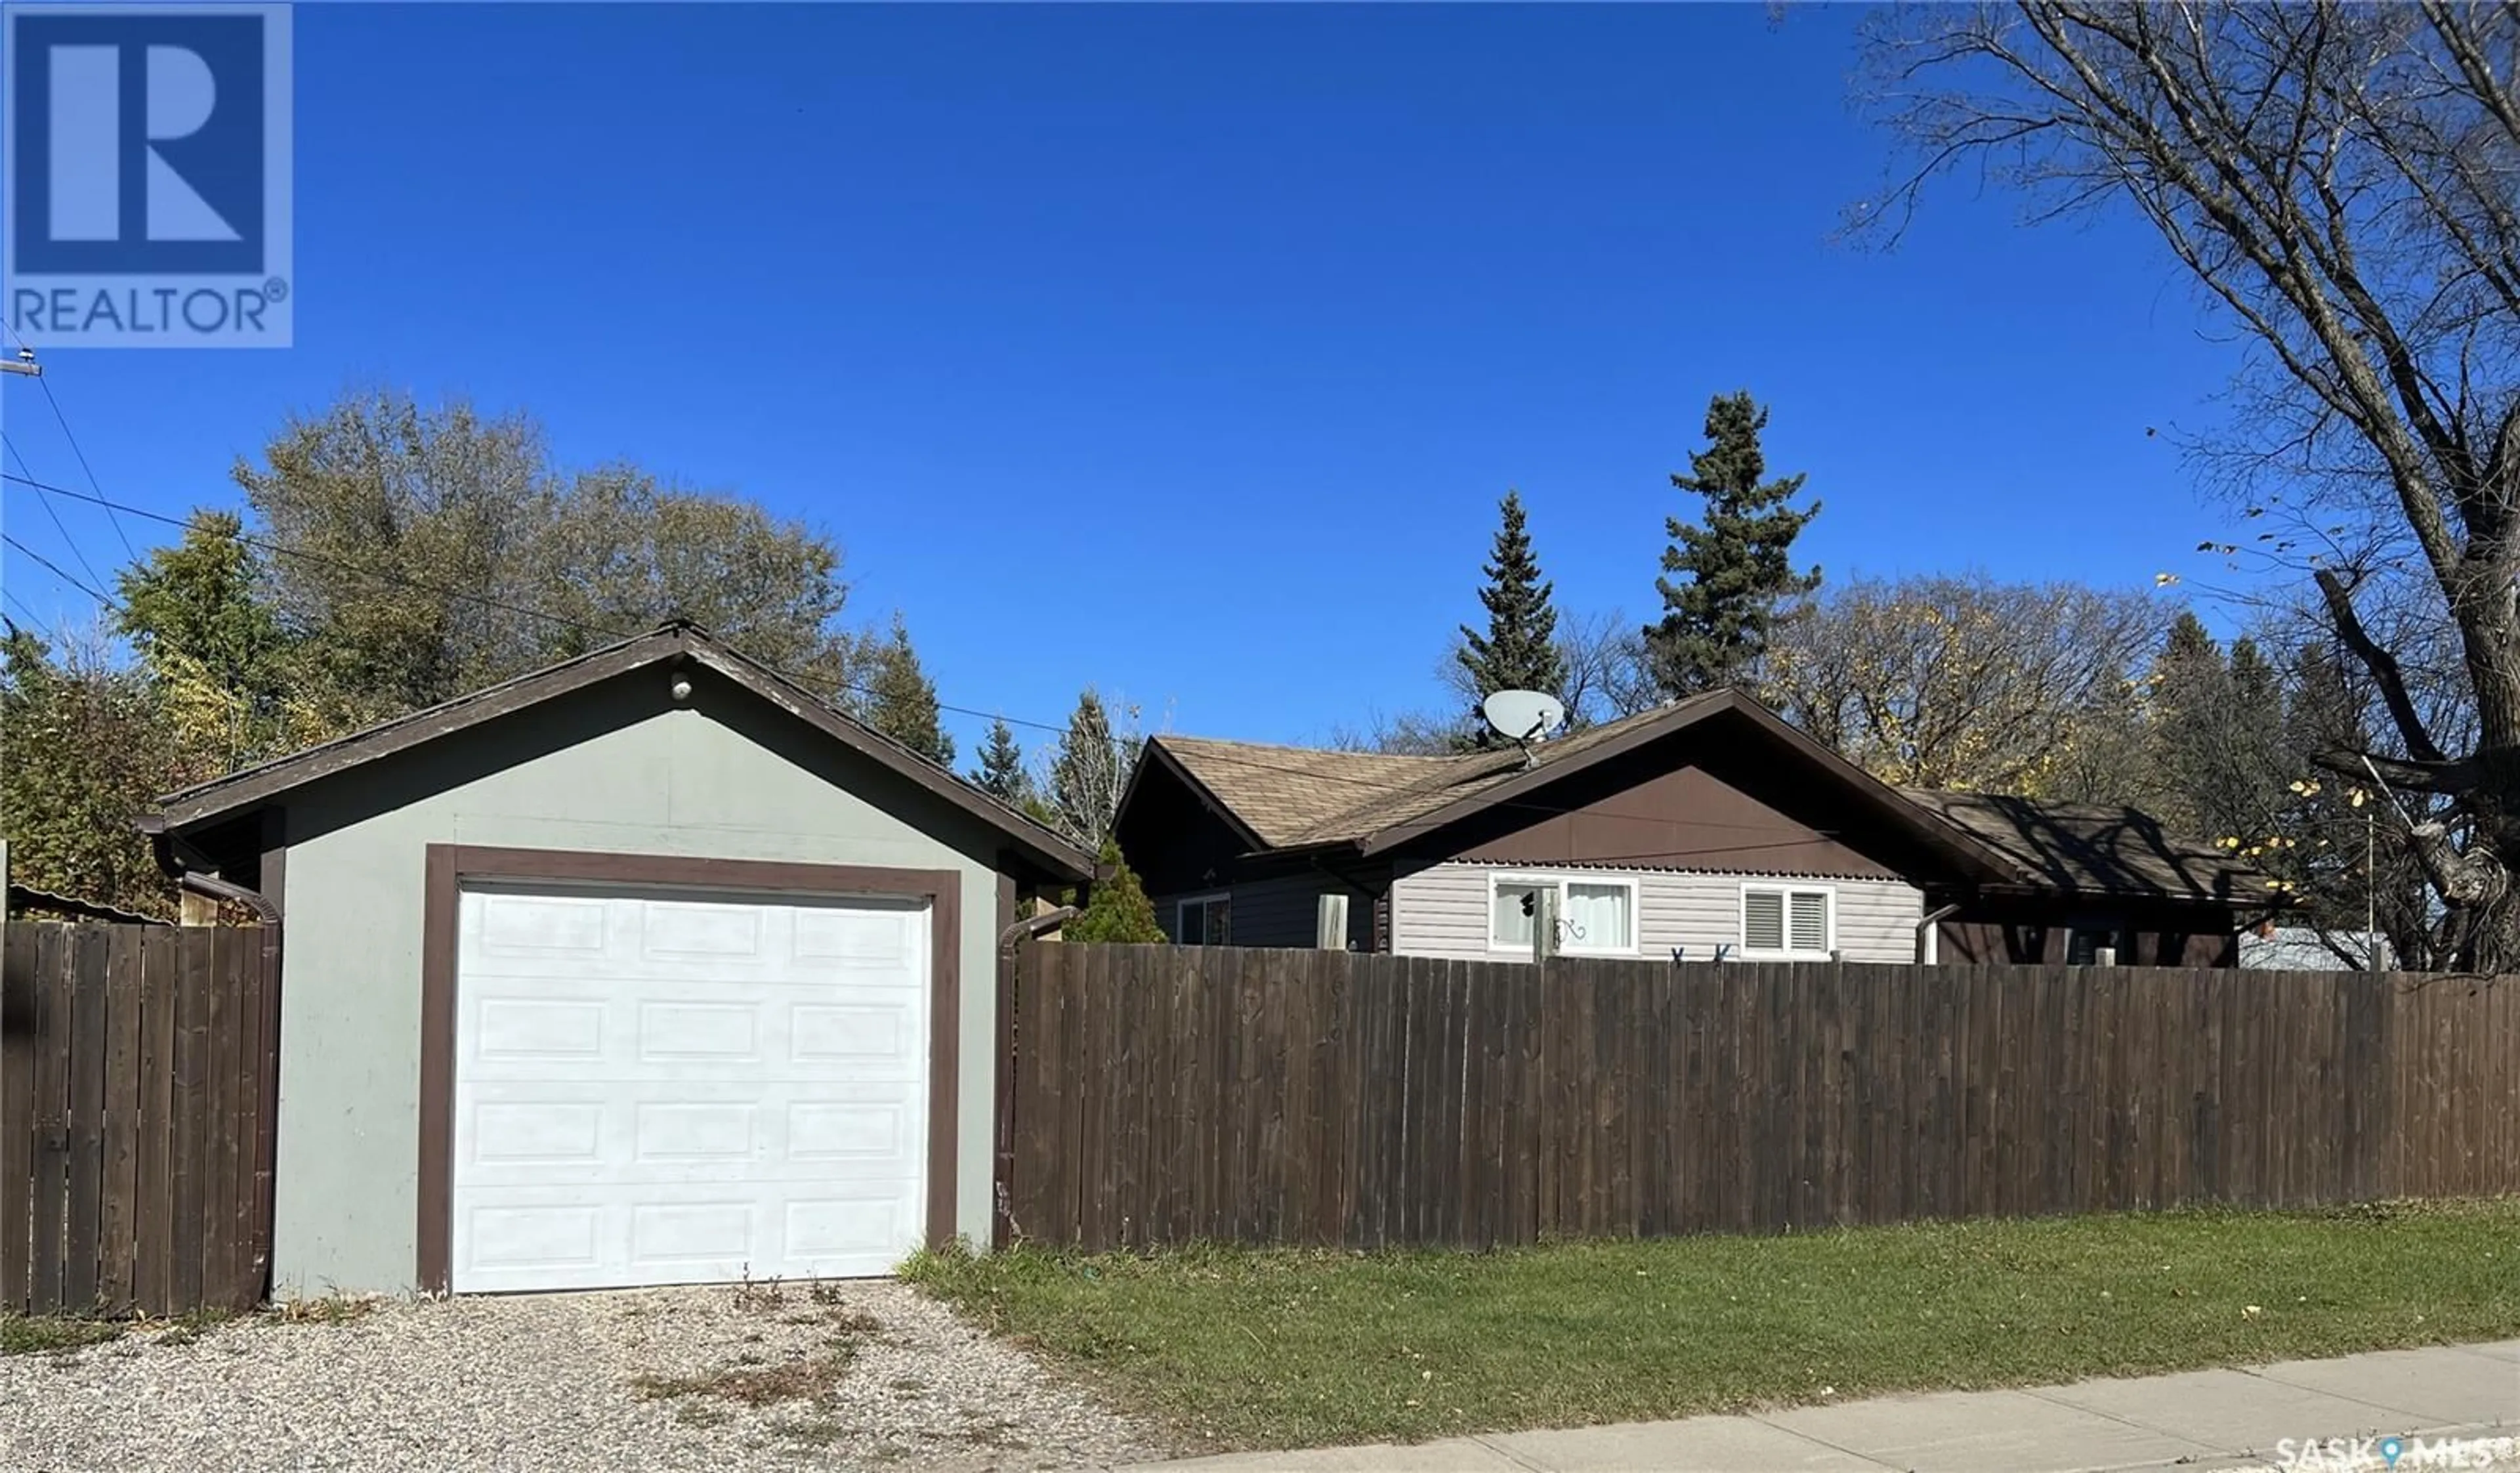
578 626
44 495
56 570
11 594
63 419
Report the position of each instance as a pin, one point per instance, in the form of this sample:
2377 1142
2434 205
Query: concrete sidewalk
2214 1419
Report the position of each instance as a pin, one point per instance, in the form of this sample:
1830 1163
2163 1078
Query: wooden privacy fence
135 1142
1162 1094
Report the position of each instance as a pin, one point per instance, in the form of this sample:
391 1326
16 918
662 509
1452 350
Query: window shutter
1763 920
1811 921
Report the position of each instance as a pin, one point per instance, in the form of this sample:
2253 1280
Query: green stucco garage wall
618 770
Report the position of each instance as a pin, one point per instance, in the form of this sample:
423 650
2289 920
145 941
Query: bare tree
2343 183
1963 681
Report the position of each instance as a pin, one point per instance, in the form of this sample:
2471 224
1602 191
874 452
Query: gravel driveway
863 1375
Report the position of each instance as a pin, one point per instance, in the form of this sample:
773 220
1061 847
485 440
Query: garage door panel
659 1090
545 1238
520 1134
539 1029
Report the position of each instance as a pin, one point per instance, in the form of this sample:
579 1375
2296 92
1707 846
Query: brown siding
1687 819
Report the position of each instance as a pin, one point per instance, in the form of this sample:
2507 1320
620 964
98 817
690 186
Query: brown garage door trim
450 867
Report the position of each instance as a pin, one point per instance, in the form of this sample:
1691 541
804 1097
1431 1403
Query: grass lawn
1271 1347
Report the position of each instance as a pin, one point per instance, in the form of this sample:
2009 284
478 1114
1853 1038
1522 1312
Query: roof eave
241 792
1155 747
1935 831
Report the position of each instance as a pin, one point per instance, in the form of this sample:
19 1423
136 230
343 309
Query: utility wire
277 549
63 419
56 570
39 626
44 494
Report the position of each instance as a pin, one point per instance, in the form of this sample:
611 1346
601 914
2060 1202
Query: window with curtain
1600 916
1511 906
1786 921
1595 915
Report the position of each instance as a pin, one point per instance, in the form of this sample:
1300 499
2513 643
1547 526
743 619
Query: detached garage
645 968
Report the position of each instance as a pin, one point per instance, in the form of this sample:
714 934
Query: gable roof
671 644
1282 798
2099 848
1294 797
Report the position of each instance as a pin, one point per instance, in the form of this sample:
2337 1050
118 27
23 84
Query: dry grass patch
803 1379
332 1308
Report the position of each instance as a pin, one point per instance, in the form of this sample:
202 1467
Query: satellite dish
1524 716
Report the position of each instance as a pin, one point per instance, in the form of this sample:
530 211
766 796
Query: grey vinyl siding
1443 911
1278 912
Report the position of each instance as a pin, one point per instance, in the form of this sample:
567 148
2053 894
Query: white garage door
654 1090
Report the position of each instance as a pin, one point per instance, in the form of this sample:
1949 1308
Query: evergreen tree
2192 696
901 700
1738 563
1086 773
1118 910
1519 650
1001 773
2217 737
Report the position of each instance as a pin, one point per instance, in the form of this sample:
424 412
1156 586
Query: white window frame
1559 881
1788 889
1203 897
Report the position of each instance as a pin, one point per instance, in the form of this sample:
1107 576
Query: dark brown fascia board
1052 851
1155 747
243 790
1933 830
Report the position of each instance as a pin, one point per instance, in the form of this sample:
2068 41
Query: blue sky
1185 351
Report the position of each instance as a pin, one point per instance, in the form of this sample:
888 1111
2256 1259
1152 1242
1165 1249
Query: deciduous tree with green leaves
438 550
88 747
1726 582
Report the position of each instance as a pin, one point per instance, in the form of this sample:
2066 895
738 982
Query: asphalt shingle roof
2096 847
1292 797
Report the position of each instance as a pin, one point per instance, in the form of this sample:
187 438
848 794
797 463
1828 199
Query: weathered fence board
1165 1094
134 1128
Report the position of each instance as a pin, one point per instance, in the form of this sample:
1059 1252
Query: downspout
176 858
1001 1221
1930 934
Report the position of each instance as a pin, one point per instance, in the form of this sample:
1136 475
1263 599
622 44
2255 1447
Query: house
647 967
1709 828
